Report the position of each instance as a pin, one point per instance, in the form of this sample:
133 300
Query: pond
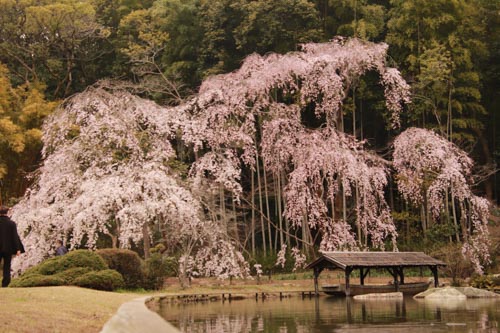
334 314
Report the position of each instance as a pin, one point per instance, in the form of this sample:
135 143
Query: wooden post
394 274
434 270
348 271
364 275
401 275
317 272
316 275
361 277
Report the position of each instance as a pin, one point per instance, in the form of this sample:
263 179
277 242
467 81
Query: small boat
356 289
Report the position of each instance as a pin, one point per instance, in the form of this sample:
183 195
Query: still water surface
330 314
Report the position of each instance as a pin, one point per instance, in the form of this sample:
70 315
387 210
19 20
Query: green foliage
81 268
107 279
52 41
70 275
495 280
361 18
158 267
457 267
77 258
22 111
127 263
482 282
439 234
275 26
37 280
64 278
268 263
438 42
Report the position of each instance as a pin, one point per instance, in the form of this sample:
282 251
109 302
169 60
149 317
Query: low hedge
37 280
70 275
108 280
77 258
81 268
157 268
127 263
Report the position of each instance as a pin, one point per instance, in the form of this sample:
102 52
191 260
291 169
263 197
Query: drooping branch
428 167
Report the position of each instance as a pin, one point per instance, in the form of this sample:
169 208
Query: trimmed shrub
62 270
77 258
37 280
157 268
127 263
495 280
457 267
70 275
108 280
482 282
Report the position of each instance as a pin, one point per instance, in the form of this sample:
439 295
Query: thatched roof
374 259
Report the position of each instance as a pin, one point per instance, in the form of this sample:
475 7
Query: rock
423 294
444 293
456 292
471 292
380 296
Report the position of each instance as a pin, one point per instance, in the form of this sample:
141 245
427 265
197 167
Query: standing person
61 249
10 243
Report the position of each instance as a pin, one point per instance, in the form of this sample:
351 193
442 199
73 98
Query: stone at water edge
456 292
380 296
471 292
425 293
445 293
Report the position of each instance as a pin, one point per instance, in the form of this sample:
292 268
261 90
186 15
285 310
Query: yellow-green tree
50 41
22 111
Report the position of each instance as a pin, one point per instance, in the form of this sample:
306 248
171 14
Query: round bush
37 280
70 275
127 263
158 267
78 258
108 280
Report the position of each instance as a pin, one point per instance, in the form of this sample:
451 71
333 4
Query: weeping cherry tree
257 113
434 173
106 174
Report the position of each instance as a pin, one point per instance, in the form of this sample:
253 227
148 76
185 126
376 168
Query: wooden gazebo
393 262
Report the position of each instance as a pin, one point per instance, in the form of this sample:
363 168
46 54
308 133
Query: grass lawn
74 309
57 309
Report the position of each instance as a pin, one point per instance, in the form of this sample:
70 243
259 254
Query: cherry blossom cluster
299 258
106 173
428 168
320 163
281 257
230 110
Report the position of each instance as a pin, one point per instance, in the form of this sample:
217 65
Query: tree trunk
287 223
252 194
267 210
146 240
263 231
454 212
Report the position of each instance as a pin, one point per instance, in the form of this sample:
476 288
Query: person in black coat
10 243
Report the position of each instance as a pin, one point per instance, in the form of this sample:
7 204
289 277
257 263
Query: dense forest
169 51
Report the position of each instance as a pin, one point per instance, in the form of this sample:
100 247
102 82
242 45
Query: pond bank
135 317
